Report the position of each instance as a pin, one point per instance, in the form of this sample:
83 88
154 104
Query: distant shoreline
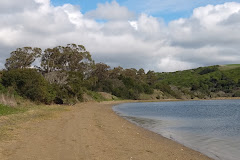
172 100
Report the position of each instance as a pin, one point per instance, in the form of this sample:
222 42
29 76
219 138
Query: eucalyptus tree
116 72
68 69
101 71
70 58
22 58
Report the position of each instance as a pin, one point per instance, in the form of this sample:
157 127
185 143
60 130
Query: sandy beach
92 131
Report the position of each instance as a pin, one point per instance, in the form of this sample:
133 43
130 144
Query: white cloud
174 65
210 36
15 6
110 11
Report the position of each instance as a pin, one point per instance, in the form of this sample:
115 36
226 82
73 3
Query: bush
148 89
2 88
207 70
165 88
236 94
29 84
96 96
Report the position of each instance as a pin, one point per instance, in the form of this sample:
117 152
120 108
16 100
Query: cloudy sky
159 35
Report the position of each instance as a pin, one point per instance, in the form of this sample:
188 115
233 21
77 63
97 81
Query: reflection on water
211 127
141 121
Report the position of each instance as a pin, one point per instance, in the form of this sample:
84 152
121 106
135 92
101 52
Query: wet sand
92 131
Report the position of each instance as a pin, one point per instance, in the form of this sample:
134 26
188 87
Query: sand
92 131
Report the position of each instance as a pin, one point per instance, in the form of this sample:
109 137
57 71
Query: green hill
205 82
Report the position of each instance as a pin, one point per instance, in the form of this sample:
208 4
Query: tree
22 58
132 72
70 58
141 75
72 91
116 72
141 72
151 78
101 74
51 60
62 65
101 71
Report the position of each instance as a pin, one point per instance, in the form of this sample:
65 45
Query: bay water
211 127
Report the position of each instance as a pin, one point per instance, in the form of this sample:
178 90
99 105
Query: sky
159 35
166 9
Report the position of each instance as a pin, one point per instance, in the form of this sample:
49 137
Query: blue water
211 127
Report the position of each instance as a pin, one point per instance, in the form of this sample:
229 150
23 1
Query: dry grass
229 67
155 96
11 123
8 100
108 96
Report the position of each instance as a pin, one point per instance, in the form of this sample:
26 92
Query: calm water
211 127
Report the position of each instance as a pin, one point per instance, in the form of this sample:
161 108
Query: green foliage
236 94
123 83
68 69
22 58
96 96
206 70
67 72
75 83
205 80
72 91
147 89
165 88
30 84
70 58
2 88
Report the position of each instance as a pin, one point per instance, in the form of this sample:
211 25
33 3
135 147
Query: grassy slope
205 79
184 78
229 67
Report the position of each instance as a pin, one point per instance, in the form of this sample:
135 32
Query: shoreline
170 100
161 138
92 131
226 151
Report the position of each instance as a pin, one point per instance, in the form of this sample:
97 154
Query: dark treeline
66 74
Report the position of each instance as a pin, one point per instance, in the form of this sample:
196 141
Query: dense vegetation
68 74
205 82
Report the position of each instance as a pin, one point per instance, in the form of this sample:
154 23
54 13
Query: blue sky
166 9
128 33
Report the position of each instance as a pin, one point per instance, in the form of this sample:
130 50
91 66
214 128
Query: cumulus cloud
209 36
110 11
205 26
11 6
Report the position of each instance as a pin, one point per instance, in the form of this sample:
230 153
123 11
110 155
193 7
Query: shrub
236 94
29 84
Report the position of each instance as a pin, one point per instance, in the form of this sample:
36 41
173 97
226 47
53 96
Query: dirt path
91 131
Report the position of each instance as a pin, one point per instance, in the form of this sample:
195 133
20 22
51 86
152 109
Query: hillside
204 82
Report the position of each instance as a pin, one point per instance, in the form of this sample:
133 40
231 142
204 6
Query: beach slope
92 131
